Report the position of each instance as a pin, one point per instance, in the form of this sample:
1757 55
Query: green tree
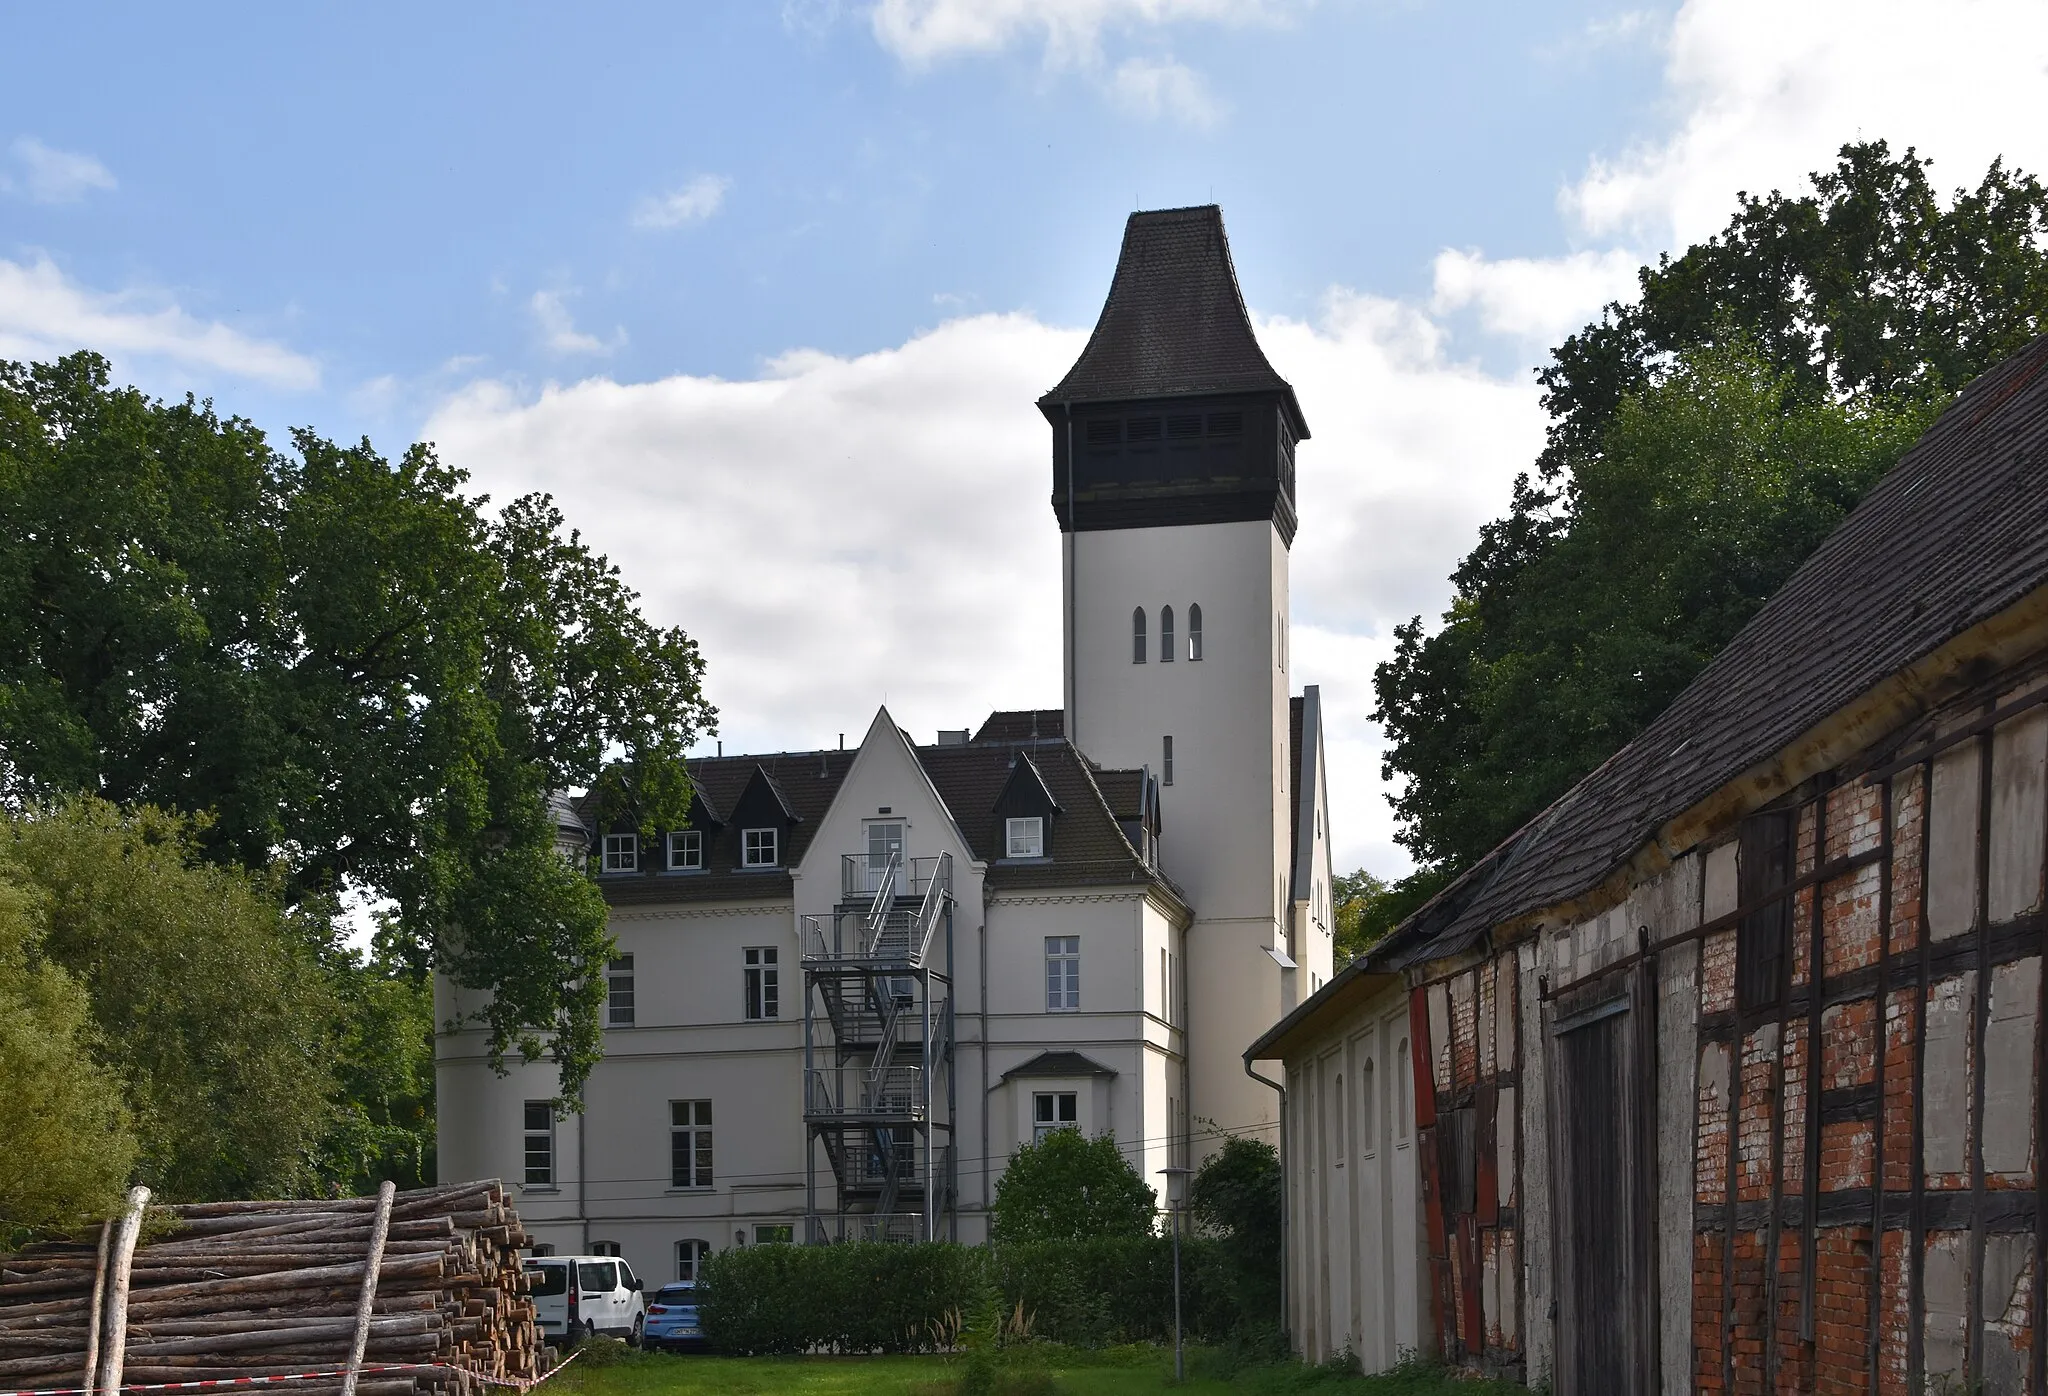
383 1063
208 1000
62 1112
364 678
1703 440
1236 1195
1069 1187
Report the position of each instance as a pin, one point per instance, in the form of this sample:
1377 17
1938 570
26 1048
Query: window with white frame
763 982
689 1143
621 853
686 850
1138 636
1194 633
1051 1110
610 1248
540 1143
1062 972
1166 634
1025 838
690 1257
759 848
619 996
1368 1108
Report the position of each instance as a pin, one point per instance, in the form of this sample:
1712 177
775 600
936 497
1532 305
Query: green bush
1071 1187
878 1297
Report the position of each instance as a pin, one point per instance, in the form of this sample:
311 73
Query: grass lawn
1124 1372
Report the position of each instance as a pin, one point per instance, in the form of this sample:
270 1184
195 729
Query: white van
575 1296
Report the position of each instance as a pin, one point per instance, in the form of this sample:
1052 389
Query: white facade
1109 980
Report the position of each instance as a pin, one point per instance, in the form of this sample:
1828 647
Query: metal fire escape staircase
878 1080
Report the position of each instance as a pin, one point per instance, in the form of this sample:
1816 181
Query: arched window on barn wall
1194 632
1404 1080
1368 1110
1138 636
1166 634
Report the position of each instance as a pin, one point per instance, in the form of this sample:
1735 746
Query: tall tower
1173 481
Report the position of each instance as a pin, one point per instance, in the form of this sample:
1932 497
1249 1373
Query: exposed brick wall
1707 1252
1842 1311
1908 838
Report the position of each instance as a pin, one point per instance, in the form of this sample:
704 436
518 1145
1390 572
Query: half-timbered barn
1727 1067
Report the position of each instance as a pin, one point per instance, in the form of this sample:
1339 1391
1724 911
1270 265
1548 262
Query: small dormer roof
763 800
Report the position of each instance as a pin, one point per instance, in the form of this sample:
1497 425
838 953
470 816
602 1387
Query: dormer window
1194 633
621 853
1025 838
1166 634
760 848
1138 636
686 851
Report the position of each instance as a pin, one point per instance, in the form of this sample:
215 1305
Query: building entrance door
885 842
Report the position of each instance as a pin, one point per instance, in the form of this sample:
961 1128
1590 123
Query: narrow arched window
1138 636
1403 1079
1368 1108
1194 633
1166 634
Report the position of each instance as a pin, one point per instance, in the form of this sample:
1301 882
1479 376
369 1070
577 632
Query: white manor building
859 979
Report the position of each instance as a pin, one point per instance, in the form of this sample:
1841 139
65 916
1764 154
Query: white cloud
841 532
920 32
1155 87
1767 92
45 175
44 313
558 332
1535 299
693 203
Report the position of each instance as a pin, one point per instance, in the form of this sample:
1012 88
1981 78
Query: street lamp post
1176 1198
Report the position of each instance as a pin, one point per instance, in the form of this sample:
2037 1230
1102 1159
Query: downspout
1073 539
983 1053
582 1203
1286 1287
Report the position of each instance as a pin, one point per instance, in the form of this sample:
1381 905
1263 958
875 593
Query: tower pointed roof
1175 322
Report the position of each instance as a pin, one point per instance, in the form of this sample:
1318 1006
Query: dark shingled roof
1956 532
1175 322
1085 843
1023 725
1059 1064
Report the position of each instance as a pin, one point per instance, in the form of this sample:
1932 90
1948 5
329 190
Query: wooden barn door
1602 1072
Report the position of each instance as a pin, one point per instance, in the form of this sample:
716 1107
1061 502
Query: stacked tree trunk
243 1289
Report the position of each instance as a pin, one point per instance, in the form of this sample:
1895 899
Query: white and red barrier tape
518 1382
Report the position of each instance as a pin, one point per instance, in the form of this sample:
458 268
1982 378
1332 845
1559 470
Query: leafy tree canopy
209 1002
70 1143
362 678
1069 1187
1703 440
1236 1195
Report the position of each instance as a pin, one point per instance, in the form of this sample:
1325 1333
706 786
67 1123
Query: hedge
884 1297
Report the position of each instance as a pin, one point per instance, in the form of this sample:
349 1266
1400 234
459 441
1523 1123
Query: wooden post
99 1293
368 1298
116 1326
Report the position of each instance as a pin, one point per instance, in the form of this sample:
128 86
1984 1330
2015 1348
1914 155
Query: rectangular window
774 1235
690 1260
540 1143
1166 761
1062 972
621 853
758 848
597 1276
1763 866
763 982
1025 838
686 851
619 1004
1051 1110
610 1248
689 1143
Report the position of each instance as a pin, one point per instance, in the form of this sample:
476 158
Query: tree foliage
361 677
1237 1195
70 1144
1703 440
208 1001
1070 1187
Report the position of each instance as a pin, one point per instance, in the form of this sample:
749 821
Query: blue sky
736 280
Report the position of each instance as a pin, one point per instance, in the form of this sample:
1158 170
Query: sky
763 293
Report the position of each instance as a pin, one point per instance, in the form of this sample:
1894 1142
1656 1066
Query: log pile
242 1289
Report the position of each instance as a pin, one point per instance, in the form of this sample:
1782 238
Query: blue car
672 1319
